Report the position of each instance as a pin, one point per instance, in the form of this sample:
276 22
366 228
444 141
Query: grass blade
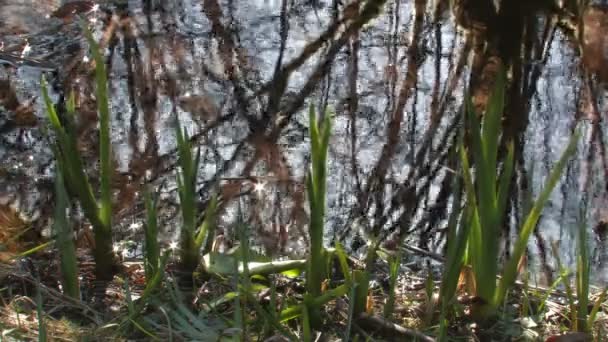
510 271
151 245
65 240
105 144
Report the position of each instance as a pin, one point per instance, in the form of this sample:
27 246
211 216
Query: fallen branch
437 257
389 330
224 264
48 292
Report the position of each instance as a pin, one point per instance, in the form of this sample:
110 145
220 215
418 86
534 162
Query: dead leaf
200 106
570 337
466 281
595 24
71 9
11 226
8 97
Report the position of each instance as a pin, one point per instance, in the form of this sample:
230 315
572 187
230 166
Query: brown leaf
231 190
85 239
8 97
11 226
200 106
595 24
466 281
71 9
23 113
570 337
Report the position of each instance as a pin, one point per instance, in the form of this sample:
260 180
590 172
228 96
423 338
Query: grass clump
69 159
191 238
65 240
316 185
487 196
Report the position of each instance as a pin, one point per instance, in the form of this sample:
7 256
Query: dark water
240 74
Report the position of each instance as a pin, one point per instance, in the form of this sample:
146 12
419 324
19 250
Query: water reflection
239 74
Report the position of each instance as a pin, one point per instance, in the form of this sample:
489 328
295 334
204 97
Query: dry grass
12 226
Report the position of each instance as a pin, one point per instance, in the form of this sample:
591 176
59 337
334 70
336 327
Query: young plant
393 267
316 184
487 198
457 242
186 183
153 284
151 246
185 323
65 240
361 279
295 311
582 278
582 319
245 285
99 213
191 241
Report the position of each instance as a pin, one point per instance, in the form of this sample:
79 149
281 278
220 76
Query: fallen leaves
200 106
72 9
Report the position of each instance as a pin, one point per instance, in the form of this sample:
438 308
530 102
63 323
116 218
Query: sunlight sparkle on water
26 49
135 226
116 248
258 187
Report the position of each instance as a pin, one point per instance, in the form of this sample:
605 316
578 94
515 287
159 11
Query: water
214 65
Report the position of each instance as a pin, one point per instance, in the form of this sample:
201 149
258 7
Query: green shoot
151 246
68 156
186 183
65 240
105 144
246 281
582 277
316 187
487 198
393 266
191 238
316 184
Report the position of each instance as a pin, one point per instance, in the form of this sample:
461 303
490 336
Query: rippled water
240 74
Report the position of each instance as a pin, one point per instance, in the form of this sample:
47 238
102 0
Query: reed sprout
98 212
151 245
191 238
487 197
582 319
316 184
65 240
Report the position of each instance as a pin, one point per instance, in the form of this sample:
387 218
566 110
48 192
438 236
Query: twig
389 330
59 296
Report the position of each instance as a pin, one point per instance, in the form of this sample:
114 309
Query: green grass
487 197
393 271
581 318
192 238
65 240
186 183
151 245
316 185
473 234
582 278
69 159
